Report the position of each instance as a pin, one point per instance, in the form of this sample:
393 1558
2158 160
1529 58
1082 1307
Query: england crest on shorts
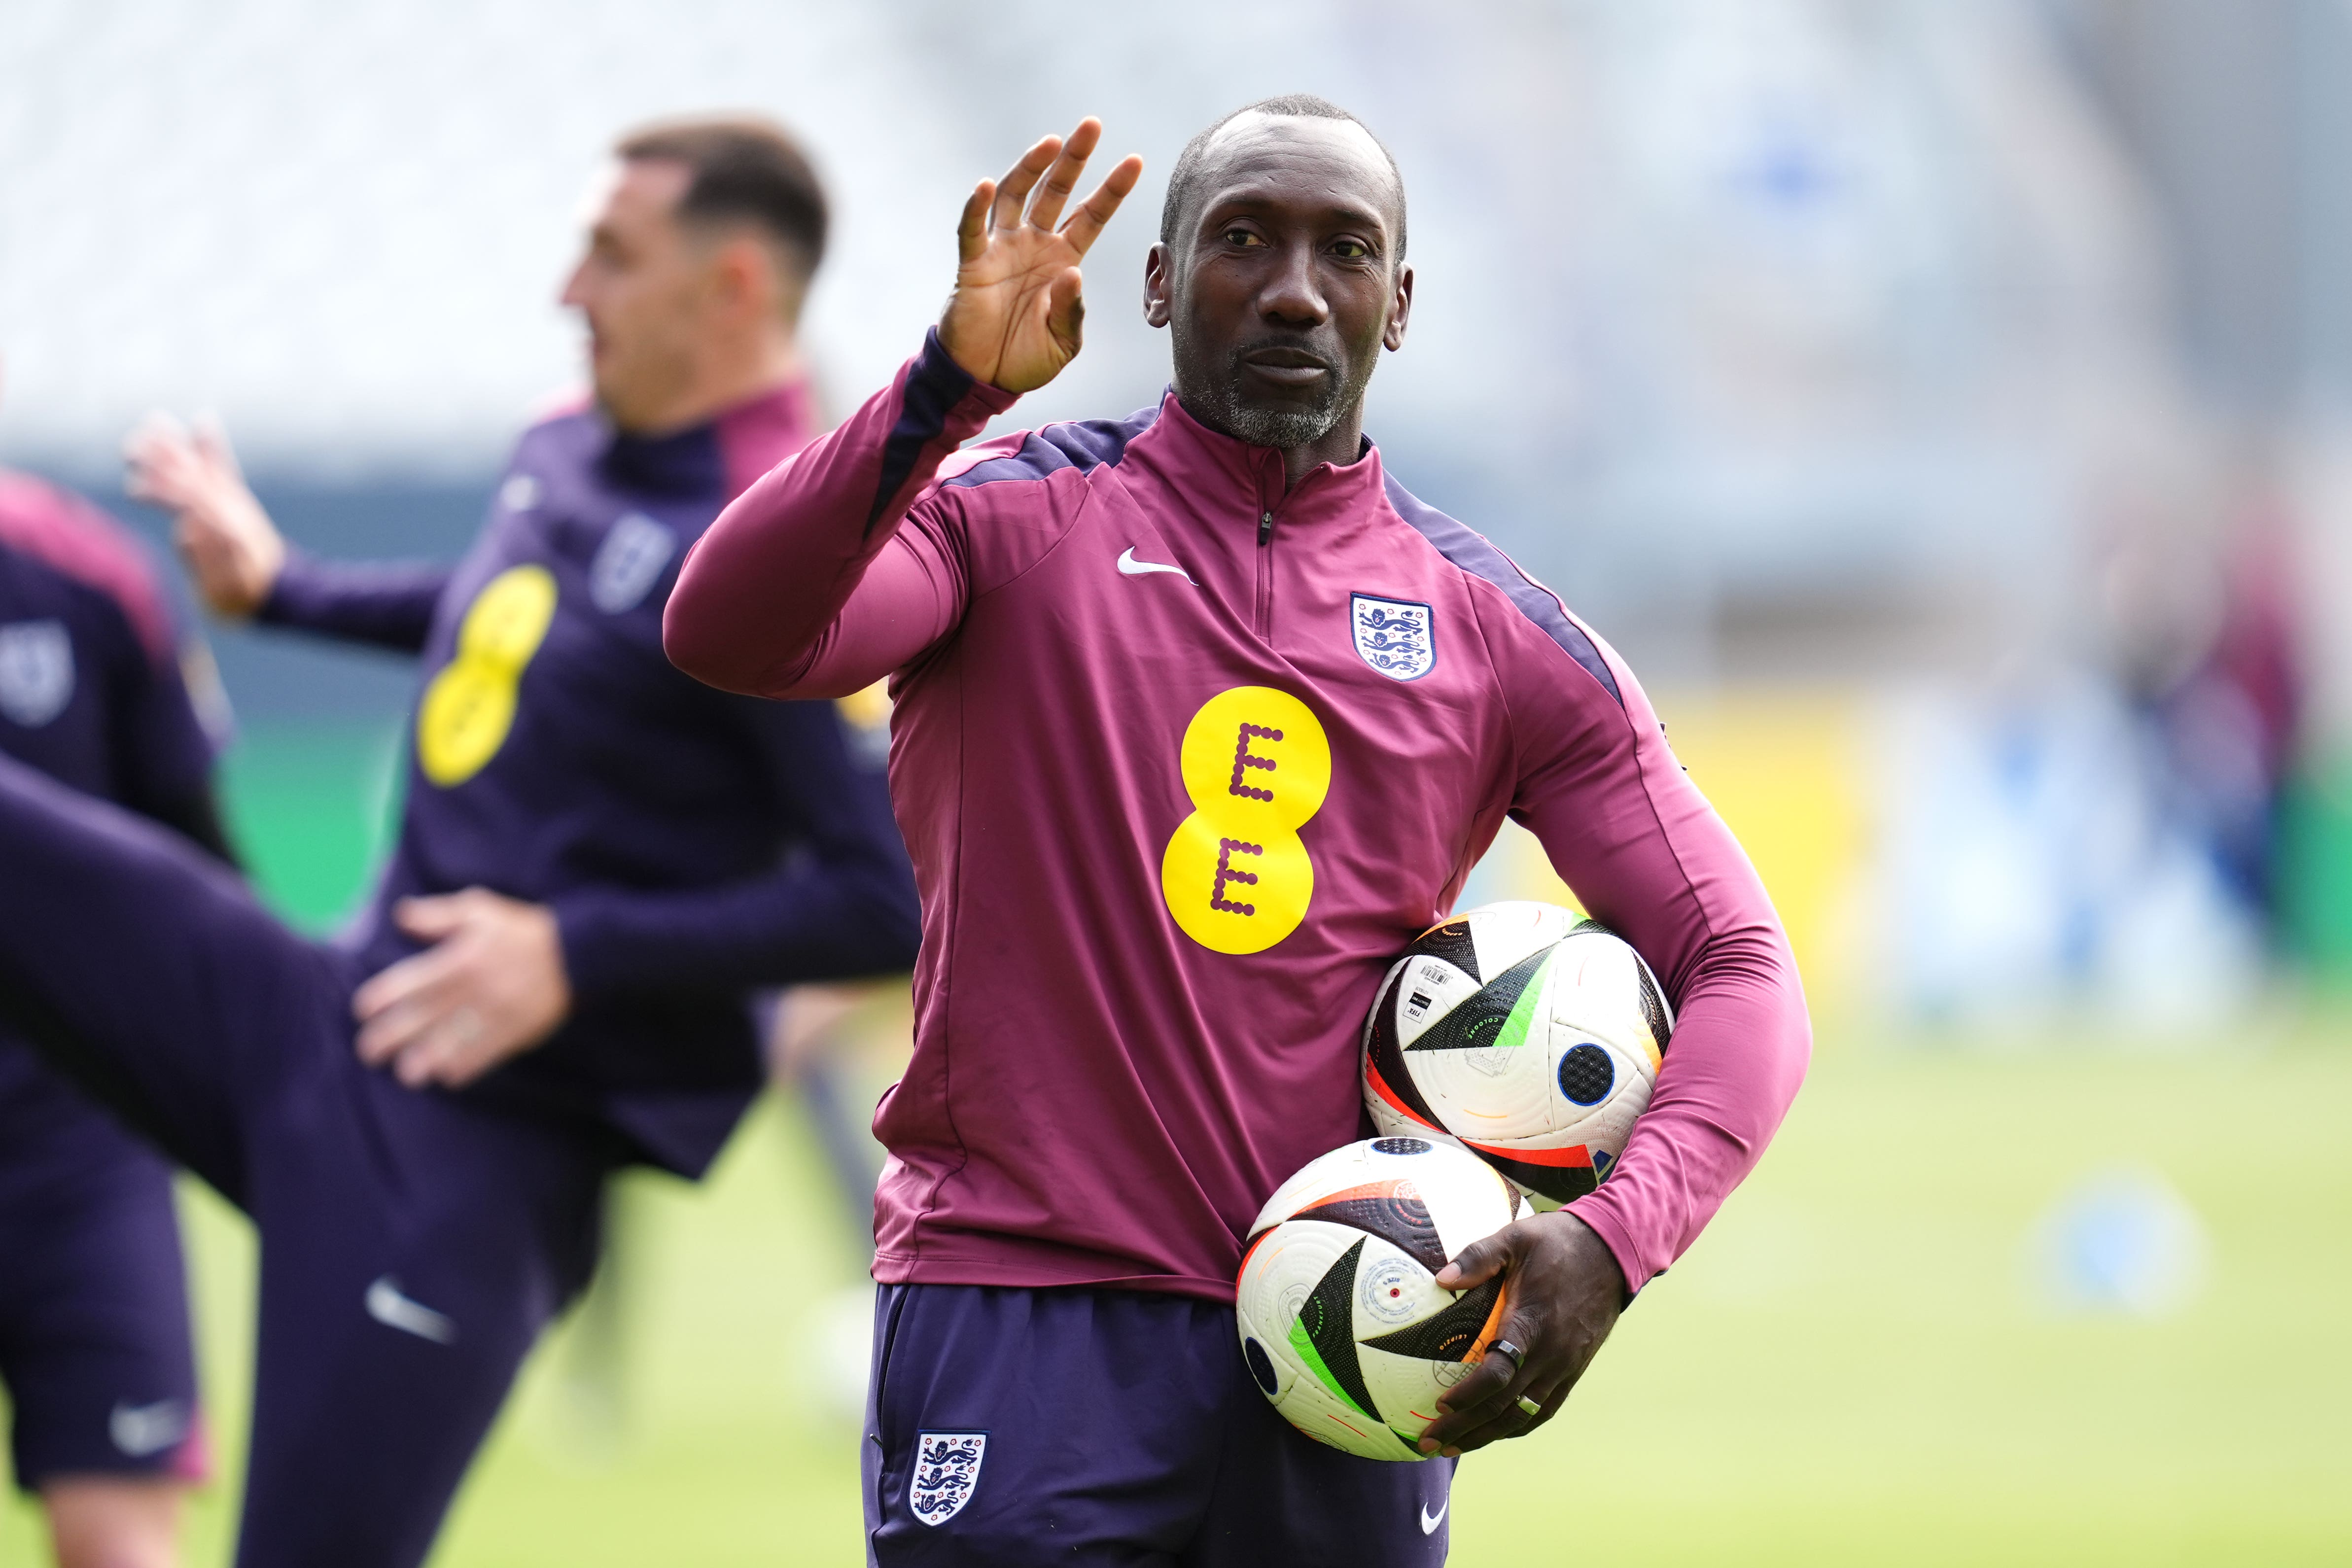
947 1466
36 671
627 562
1395 636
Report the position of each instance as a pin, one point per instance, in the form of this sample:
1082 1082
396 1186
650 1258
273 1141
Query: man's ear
1157 300
1400 311
744 276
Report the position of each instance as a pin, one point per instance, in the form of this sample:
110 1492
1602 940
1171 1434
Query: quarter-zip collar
720 456
1324 493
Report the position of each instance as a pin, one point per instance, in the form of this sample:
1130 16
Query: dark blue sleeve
388 604
840 905
164 756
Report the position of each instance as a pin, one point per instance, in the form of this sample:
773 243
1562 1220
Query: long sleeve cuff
388 604
1611 1229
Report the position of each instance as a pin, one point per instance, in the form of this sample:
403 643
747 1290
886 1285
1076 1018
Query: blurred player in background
94 1348
598 862
1171 823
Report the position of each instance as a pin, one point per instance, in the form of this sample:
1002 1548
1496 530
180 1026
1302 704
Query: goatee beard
1285 429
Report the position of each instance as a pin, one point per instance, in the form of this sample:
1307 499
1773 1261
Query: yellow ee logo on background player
469 705
1256 765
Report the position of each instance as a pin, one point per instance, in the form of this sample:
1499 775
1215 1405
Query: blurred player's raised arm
806 586
243 566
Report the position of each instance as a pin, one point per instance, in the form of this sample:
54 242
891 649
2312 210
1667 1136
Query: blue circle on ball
1586 1073
1260 1366
1402 1145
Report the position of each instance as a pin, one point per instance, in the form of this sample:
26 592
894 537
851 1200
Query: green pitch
1854 1365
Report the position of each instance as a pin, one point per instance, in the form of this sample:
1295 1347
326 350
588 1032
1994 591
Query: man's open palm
1014 318
231 548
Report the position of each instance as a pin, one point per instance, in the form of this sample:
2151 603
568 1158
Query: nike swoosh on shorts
141 1430
1430 1522
1130 567
387 1306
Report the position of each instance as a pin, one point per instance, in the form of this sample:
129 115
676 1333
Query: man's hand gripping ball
1562 1292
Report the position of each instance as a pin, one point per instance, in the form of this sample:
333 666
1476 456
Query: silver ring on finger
1529 1406
1505 1347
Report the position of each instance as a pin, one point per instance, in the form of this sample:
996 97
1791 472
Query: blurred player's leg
114 1521
94 1347
602 1336
147 972
399 1293
413 1246
808 1036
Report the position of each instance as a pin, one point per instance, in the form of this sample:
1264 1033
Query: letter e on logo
1256 765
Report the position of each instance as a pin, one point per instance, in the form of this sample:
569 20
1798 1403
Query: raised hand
1013 319
232 549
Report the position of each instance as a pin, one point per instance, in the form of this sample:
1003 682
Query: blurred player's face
668 307
1285 282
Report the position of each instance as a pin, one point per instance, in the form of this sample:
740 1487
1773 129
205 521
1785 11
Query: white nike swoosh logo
141 1430
387 1306
1430 1522
1130 567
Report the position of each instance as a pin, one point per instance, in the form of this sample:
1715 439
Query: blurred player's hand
491 986
1561 1294
232 549
1014 318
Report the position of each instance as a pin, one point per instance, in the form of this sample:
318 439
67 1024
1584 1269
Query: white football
1529 1034
1342 1320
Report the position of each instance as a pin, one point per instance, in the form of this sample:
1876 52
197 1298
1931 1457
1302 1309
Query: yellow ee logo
469 705
1256 766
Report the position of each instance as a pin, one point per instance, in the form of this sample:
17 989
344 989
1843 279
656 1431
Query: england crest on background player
627 562
36 671
1395 636
947 1468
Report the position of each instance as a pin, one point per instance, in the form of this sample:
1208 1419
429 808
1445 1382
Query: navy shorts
94 1348
1085 1426
412 1244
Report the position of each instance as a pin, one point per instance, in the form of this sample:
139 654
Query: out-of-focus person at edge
599 864
94 1345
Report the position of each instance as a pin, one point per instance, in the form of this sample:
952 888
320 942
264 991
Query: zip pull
1265 527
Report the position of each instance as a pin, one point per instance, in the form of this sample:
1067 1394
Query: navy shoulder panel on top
1470 551
934 387
1083 444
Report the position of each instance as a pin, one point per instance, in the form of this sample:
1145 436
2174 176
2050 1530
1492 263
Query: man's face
644 288
1284 284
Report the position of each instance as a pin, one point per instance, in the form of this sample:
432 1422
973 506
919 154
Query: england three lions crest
36 671
628 562
1395 636
947 1469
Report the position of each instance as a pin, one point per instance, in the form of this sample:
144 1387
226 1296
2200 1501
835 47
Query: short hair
744 169
1292 105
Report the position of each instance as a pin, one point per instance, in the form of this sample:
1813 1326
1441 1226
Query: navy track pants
413 1245
1096 1428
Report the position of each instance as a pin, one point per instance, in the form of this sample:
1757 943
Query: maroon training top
1185 760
